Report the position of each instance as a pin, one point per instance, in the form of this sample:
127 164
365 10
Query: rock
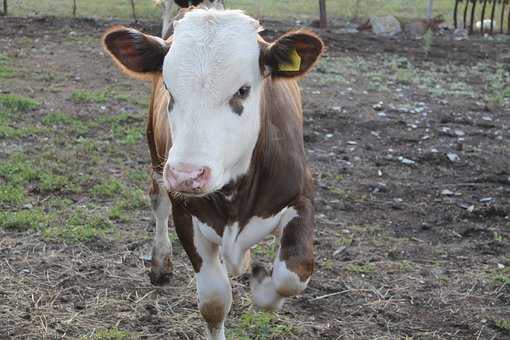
378 187
446 192
406 161
378 106
339 250
387 25
460 34
486 200
453 157
416 28
459 133
351 142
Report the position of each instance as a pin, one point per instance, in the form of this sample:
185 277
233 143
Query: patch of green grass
266 249
107 189
58 203
280 9
20 132
82 226
49 182
127 135
503 326
502 276
6 72
138 177
131 199
24 220
75 125
16 170
12 194
259 326
112 334
361 268
344 240
12 103
85 96
128 98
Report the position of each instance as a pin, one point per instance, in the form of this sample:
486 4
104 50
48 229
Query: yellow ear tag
295 64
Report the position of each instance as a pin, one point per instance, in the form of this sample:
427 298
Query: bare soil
409 244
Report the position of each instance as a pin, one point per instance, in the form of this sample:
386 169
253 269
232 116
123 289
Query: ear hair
138 55
293 54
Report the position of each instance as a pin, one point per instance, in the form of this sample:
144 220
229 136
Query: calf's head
213 68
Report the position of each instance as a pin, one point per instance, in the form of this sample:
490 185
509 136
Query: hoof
258 272
161 271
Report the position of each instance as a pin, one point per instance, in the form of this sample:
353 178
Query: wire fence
278 9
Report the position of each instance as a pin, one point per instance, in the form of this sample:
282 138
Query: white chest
235 242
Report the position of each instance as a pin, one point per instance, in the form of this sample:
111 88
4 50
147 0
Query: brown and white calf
225 133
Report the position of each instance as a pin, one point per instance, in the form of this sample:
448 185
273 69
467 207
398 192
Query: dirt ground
409 143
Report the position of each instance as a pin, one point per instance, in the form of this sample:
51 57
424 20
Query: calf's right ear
138 55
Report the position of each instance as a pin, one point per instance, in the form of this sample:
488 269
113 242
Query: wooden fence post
133 10
4 12
74 8
430 7
323 15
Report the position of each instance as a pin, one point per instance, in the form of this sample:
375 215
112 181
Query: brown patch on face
236 104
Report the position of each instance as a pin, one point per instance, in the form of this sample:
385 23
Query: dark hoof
258 272
159 279
161 272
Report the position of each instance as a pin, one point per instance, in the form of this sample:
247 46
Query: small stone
79 305
459 133
329 135
339 250
446 192
453 157
381 114
336 108
406 161
28 206
387 25
486 200
24 271
378 187
351 142
501 266
147 259
378 106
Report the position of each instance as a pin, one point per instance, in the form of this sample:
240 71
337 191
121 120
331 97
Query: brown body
278 177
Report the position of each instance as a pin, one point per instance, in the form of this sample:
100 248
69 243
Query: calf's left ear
293 54
137 54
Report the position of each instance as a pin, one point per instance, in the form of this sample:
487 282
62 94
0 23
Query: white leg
293 265
162 247
213 286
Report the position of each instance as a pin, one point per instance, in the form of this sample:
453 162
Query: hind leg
293 265
161 268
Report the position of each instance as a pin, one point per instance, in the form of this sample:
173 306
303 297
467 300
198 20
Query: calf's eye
243 92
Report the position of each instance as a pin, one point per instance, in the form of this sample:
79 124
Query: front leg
213 286
161 264
294 263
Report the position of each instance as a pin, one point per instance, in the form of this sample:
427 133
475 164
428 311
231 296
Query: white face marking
214 54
